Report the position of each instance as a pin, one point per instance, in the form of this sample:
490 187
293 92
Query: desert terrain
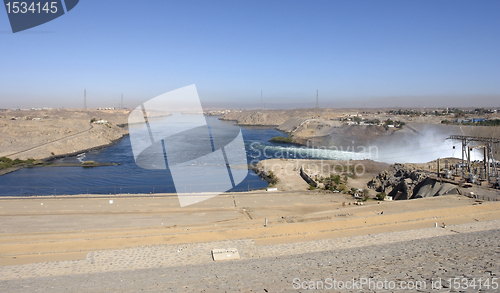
312 226
367 127
107 242
42 134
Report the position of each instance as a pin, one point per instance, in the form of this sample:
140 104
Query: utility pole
85 99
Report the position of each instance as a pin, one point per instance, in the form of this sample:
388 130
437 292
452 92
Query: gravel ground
458 253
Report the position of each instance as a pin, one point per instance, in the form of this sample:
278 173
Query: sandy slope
65 228
45 133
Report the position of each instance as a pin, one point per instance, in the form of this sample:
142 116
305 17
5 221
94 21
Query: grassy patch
281 139
6 163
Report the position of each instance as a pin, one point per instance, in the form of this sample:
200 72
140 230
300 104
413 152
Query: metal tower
487 144
121 104
262 104
85 99
317 101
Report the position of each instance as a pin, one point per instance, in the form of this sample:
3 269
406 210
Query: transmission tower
85 99
121 104
262 104
317 100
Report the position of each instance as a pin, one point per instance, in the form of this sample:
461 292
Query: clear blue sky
356 53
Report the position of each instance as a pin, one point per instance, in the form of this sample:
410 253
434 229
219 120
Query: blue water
129 178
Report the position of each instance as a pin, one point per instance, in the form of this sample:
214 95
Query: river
127 177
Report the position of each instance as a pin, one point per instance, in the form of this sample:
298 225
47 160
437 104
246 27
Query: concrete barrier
307 178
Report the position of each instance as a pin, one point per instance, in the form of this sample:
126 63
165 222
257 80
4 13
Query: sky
355 53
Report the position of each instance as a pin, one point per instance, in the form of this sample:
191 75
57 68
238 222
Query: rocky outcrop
402 182
256 118
262 172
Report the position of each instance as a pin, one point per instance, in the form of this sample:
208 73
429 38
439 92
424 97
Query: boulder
399 181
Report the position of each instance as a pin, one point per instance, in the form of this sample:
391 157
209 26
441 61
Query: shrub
5 165
17 161
342 188
312 187
6 160
30 161
281 139
381 196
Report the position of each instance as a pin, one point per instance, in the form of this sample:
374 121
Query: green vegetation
281 139
381 196
336 179
88 163
372 121
490 122
410 113
6 163
335 183
312 187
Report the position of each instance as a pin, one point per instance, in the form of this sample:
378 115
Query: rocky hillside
46 133
256 118
402 182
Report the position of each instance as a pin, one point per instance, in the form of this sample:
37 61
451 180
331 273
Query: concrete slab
225 254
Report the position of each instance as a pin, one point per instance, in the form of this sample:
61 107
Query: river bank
49 134
51 161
